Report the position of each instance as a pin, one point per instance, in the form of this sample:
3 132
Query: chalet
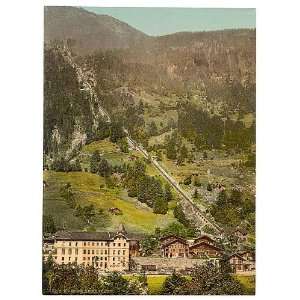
242 262
240 234
204 248
174 247
115 211
205 238
248 255
168 238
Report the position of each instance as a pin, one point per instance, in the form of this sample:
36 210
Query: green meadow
90 188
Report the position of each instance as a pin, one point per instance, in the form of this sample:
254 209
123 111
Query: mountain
88 31
214 70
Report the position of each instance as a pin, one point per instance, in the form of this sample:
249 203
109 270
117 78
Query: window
101 244
62 258
97 244
76 251
92 251
97 251
83 258
70 244
70 251
114 244
55 257
101 258
105 258
84 244
93 244
63 251
114 251
89 243
118 258
76 258
124 244
76 244
105 265
105 251
69 258
124 252
88 252
119 252
119 244
101 252
89 258
84 251
113 259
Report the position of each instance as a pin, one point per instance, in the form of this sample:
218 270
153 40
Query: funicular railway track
84 80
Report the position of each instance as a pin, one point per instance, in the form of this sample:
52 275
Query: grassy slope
248 282
86 186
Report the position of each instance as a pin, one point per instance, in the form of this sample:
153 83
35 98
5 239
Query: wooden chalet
204 249
173 246
242 262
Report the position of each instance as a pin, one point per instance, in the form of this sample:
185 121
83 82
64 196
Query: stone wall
165 265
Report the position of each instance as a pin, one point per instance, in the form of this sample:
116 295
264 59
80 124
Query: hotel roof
93 236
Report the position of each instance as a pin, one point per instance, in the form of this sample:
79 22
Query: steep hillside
187 98
86 31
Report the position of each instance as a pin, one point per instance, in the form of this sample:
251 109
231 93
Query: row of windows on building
97 264
88 251
89 258
70 244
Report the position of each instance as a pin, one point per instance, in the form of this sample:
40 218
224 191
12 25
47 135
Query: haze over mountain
90 31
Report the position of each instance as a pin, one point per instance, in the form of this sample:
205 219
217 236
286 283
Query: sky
160 21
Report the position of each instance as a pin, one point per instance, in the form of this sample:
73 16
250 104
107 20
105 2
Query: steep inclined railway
198 217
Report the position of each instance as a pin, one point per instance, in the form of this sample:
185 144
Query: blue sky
160 21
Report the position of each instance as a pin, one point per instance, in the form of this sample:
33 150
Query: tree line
73 279
211 131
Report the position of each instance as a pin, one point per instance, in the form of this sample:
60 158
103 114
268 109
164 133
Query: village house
174 247
242 262
204 246
240 234
106 251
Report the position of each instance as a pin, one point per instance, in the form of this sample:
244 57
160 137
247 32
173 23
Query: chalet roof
205 243
205 236
180 240
237 255
241 230
93 236
241 253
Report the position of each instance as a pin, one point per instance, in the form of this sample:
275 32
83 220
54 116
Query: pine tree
104 168
173 284
160 206
168 193
95 160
